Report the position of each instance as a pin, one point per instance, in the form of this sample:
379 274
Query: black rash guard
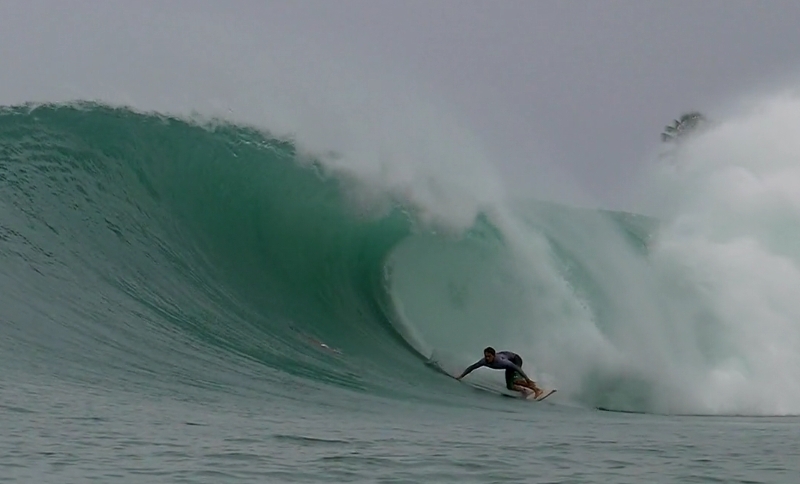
502 361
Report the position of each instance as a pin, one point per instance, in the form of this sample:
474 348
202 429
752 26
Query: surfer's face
489 357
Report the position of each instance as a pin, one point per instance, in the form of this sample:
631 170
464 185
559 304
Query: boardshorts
513 375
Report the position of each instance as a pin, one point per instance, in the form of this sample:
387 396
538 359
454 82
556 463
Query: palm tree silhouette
682 126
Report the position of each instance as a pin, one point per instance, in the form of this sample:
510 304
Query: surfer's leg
513 378
516 383
520 383
510 383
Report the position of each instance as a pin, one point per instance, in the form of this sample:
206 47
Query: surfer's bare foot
537 393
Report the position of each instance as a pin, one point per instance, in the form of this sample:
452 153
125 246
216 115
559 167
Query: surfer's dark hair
489 350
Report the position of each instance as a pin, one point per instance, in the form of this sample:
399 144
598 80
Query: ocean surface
193 300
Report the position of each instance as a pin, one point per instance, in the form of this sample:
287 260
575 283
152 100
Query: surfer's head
489 353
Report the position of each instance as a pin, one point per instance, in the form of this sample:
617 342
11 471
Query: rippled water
84 434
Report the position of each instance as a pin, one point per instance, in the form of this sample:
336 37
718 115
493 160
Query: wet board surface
545 395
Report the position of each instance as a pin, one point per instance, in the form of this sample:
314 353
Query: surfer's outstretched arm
472 368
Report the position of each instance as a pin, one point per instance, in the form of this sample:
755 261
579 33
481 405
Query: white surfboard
544 395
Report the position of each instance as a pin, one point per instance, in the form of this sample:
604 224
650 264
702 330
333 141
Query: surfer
516 379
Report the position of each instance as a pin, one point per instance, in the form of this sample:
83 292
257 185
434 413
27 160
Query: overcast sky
576 90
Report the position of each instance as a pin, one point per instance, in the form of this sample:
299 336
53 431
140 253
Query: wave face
160 251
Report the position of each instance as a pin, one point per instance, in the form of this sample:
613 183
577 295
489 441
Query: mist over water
730 232
696 313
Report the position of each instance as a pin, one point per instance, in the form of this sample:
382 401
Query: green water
198 302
